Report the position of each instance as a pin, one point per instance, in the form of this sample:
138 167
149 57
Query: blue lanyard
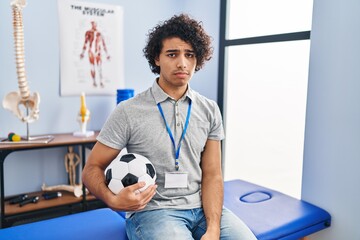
177 151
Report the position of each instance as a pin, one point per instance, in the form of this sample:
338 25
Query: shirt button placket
177 115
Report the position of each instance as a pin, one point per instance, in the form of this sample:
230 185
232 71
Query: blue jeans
175 224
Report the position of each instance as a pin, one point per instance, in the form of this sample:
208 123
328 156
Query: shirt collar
160 95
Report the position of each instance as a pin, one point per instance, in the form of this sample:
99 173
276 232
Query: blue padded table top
271 214
95 224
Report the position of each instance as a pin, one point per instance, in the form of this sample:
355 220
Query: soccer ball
129 169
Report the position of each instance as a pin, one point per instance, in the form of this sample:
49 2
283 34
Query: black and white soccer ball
128 169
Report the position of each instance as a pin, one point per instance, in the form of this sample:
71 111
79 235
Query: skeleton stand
38 139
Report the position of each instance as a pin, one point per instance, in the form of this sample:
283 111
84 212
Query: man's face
177 62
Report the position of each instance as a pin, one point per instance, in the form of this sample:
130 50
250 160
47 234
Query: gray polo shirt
136 124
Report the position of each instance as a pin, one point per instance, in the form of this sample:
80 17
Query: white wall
58 114
331 174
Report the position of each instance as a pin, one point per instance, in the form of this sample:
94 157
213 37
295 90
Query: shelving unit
12 214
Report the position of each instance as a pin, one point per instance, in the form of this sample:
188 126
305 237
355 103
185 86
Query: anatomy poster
91 48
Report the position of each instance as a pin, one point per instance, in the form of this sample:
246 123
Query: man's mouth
181 74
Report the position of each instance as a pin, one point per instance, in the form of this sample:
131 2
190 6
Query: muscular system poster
91 48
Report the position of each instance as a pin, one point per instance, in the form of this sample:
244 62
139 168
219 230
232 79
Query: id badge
176 180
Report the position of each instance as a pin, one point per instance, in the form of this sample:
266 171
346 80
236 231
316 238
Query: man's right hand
131 199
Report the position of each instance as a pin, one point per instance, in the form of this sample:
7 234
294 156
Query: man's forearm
212 199
94 179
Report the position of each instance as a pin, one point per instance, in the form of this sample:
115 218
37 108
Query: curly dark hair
185 28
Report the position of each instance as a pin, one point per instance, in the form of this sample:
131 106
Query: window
251 18
262 90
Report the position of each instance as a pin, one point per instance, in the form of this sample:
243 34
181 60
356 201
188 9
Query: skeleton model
14 100
83 118
77 189
84 114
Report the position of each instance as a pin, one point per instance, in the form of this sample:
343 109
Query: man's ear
157 61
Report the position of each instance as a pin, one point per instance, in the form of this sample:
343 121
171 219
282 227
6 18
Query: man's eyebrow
177 50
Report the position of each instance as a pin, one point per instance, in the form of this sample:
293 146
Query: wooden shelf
59 140
65 199
12 214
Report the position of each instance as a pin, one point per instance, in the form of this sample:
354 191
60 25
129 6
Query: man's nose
181 62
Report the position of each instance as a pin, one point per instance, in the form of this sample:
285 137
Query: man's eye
171 55
190 55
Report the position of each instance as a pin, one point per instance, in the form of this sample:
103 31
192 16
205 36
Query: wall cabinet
13 214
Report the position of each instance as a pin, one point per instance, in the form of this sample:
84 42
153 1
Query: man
95 43
179 131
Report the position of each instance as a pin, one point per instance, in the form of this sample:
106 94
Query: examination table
269 214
